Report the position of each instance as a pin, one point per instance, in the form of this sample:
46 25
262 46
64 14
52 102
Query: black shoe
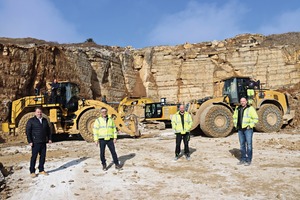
119 167
104 167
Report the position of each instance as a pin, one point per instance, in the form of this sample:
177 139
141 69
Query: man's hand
30 144
50 142
96 143
115 140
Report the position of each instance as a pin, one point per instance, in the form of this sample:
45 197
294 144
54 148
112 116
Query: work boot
119 167
33 175
241 162
44 173
187 157
104 167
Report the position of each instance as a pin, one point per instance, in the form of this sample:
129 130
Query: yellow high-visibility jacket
250 117
177 125
104 129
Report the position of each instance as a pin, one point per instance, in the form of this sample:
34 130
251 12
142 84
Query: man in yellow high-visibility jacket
182 124
105 133
244 119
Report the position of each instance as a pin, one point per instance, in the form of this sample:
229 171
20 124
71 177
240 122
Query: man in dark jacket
38 134
54 87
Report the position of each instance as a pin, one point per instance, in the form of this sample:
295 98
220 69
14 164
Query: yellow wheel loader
133 105
160 113
66 114
214 115
152 115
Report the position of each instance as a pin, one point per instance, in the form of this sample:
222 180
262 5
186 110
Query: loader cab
236 88
153 110
160 110
67 94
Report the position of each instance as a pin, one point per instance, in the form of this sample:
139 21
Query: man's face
182 108
55 81
38 113
104 112
243 102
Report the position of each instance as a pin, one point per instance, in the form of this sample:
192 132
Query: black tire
23 122
86 124
216 121
270 118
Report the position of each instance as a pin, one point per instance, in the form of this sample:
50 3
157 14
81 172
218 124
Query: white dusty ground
149 171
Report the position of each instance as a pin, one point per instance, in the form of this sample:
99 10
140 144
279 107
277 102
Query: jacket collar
38 118
178 112
245 107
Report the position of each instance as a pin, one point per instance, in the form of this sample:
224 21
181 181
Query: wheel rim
272 119
220 121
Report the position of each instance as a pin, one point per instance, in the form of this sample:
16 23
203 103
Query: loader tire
216 121
86 124
23 122
270 118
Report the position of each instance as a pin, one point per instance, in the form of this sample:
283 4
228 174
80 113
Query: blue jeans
245 137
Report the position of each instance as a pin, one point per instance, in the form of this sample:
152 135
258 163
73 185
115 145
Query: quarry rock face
179 73
192 71
98 71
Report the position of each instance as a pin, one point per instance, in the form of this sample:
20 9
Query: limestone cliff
191 71
180 73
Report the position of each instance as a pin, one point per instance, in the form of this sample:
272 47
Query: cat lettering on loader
214 115
69 114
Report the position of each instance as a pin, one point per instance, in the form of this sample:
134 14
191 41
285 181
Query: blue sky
141 23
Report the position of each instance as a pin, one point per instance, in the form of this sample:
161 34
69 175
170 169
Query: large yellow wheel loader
68 114
214 115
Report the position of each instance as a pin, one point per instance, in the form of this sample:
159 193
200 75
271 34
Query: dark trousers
111 147
185 138
54 98
38 148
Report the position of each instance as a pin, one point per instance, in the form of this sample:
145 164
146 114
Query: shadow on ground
66 137
198 132
236 153
123 159
69 164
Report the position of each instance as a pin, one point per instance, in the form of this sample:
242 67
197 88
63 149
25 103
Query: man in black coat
54 87
38 134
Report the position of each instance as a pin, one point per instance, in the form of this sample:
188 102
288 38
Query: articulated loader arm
127 123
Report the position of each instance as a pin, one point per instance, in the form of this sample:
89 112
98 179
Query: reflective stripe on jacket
104 130
177 125
250 117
